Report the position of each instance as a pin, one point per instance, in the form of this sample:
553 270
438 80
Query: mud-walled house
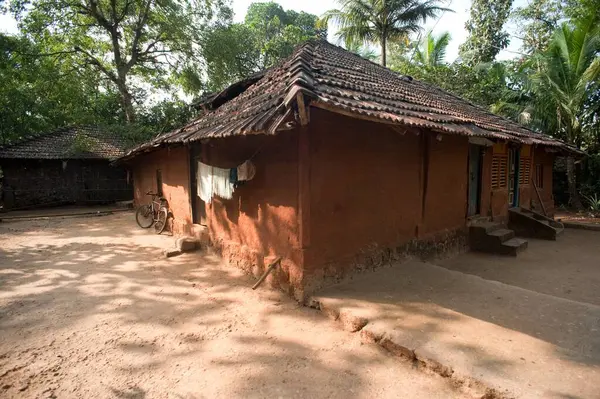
331 162
68 166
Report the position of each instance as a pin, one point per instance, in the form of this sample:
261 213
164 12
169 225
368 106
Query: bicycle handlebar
152 194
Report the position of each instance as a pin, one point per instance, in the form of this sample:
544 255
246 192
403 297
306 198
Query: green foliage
81 144
485 86
581 9
432 50
363 51
536 22
39 94
593 202
269 34
484 26
380 21
119 39
564 79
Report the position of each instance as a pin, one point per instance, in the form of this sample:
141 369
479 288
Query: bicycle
155 213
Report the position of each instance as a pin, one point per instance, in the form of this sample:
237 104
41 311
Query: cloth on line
204 182
213 181
222 185
246 171
233 176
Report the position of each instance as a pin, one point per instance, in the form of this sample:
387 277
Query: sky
453 22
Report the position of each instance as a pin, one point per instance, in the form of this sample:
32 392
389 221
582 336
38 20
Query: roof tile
331 75
81 142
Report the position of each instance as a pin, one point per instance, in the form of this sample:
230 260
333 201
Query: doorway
474 194
513 177
198 206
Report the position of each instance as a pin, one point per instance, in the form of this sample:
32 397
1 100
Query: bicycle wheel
161 220
144 216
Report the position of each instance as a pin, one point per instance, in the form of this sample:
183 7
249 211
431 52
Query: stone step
513 246
502 234
486 227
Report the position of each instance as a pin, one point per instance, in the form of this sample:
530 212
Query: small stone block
169 253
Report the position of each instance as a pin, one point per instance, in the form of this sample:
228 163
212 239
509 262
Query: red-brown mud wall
173 164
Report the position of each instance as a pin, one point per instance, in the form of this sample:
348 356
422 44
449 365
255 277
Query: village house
351 163
67 166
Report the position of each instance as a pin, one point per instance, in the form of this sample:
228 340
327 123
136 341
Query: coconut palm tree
431 51
380 21
565 81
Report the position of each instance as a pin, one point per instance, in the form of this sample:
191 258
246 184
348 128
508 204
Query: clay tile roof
81 142
333 78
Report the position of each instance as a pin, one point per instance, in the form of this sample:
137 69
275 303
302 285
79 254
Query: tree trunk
126 102
574 198
383 51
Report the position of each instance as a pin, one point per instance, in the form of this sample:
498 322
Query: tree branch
94 61
135 51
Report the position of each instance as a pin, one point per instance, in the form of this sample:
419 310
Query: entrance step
514 246
494 238
502 234
527 223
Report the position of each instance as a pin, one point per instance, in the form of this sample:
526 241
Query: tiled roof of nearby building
330 77
82 142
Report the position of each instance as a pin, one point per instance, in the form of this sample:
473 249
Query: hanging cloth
213 181
204 182
222 185
246 171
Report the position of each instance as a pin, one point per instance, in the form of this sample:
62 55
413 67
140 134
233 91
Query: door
513 177
474 179
198 206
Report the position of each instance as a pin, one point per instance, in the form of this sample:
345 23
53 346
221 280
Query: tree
119 39
40 94
231 52
486 38
431 51
381 21
565 79
278 32
269 34
536 22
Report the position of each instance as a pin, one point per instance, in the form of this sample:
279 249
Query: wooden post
302 109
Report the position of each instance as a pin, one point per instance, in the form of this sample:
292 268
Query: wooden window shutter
499 170
524 170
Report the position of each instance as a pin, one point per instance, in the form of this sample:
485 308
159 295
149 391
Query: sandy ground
529 325
89 308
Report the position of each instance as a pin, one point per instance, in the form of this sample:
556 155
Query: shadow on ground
90 308
510 332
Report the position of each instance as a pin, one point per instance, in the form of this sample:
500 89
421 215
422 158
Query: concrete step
526 223
486 227
514 246
502 235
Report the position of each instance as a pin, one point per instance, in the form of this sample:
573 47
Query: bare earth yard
89 308
527 326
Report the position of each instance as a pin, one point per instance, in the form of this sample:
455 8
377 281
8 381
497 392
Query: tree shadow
91 308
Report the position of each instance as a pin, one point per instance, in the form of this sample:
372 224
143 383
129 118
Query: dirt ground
578 217
529 326
89 308
568 268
